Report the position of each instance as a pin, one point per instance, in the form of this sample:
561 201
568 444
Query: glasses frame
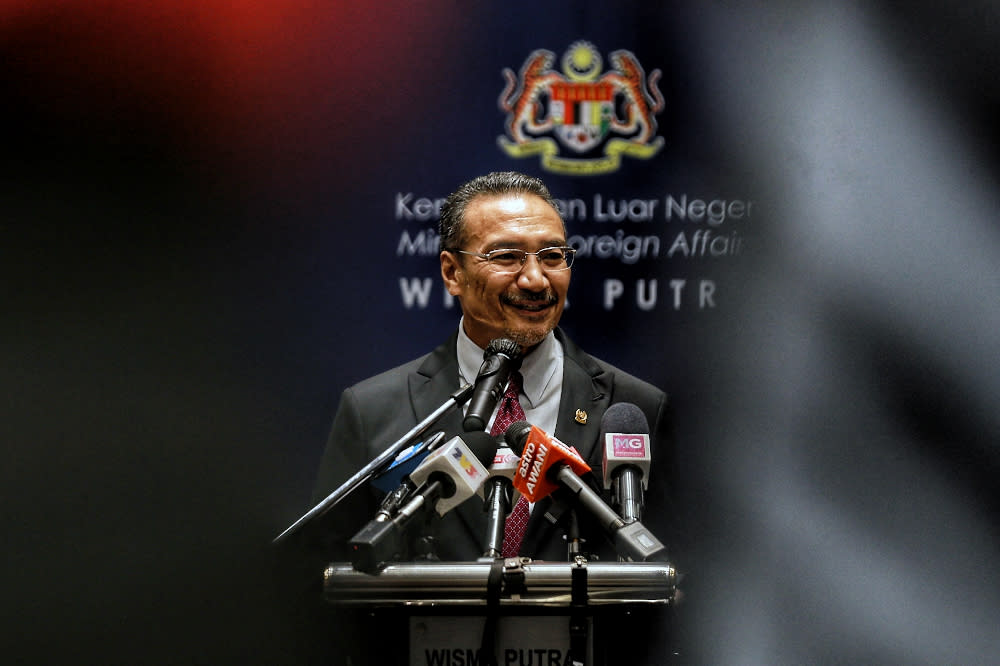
570 253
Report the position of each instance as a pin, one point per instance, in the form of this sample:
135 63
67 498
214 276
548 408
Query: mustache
546 297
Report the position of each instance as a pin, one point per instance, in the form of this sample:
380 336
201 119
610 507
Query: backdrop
215 217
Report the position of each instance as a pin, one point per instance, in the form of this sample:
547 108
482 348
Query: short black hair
452 221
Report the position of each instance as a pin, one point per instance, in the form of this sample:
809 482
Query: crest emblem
581 120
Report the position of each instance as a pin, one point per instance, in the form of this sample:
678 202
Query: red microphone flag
542 452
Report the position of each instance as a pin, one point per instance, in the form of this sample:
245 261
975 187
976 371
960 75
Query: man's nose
531 275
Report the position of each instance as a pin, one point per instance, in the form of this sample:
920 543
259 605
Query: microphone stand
497 507
573 540
378 464
627 492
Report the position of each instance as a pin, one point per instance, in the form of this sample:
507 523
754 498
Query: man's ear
451 273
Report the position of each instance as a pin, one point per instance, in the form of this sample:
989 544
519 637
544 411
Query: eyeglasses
508 260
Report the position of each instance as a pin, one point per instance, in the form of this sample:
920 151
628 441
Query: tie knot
509 410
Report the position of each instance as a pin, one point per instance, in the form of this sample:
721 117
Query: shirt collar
537 368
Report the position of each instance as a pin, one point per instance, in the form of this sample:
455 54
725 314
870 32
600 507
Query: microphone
395 480
502 356
625 436
451 474
500 497
547 464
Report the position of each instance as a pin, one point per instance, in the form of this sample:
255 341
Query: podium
517 611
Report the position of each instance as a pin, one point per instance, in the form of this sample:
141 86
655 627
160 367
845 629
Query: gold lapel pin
581 417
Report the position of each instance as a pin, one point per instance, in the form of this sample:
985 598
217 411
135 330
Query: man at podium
505 258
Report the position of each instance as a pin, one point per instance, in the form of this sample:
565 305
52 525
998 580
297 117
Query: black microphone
625 437
502 356
500 497
547 464
451 474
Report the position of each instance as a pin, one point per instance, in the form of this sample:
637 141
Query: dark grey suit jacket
376 412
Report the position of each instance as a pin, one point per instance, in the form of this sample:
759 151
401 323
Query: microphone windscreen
482 445
516 436
506 347
624 417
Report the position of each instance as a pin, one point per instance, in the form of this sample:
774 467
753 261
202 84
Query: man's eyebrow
520 245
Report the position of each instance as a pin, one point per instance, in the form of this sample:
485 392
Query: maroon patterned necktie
509 412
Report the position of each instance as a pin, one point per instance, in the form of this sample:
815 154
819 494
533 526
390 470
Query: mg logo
629 445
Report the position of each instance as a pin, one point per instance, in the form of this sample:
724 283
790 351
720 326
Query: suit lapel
433 382
585 398
430 386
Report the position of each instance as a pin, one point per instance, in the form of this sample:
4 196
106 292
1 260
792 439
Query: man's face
522 306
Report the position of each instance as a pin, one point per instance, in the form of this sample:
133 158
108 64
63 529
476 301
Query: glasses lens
506 260
554 258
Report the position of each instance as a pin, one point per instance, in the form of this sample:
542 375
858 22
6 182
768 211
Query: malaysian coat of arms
581 120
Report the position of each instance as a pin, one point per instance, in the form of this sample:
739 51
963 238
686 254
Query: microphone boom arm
378 464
